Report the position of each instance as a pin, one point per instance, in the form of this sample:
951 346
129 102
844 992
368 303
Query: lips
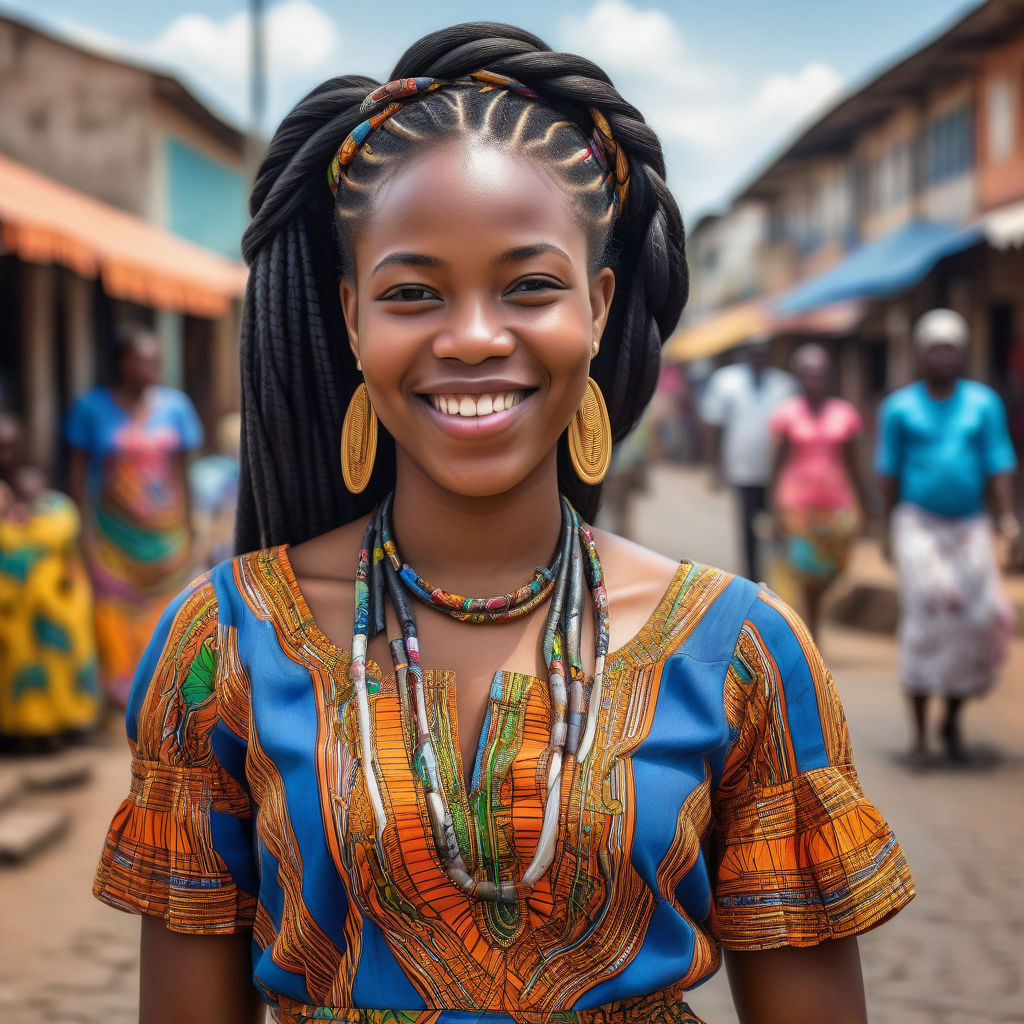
476 405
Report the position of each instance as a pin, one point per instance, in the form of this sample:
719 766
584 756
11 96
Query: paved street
955 955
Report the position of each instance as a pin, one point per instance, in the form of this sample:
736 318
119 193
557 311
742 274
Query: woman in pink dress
817 488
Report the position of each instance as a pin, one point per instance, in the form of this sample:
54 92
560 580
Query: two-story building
908 193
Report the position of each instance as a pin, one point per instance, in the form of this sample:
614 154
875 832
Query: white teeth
471 406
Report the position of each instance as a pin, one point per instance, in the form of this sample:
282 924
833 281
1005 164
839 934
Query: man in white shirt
737 406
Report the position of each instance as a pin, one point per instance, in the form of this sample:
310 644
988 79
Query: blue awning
887 265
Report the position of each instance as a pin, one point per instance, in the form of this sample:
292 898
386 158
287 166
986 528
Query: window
887 181
1001 119
949 145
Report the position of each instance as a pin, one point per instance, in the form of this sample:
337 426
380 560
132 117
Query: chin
478 481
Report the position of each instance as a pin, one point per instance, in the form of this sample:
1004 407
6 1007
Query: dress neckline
645 645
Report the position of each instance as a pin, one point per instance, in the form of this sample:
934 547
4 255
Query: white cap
941 327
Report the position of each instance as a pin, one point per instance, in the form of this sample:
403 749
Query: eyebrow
525 252
516 255
411 259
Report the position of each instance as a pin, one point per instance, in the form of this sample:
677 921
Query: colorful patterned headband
603 148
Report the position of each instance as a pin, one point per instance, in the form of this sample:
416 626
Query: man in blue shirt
943 444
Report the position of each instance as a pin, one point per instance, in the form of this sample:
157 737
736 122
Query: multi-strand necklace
382 574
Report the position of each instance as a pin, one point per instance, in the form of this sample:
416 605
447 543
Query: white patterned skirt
955 623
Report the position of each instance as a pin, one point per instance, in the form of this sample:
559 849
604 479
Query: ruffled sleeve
180 846
802 855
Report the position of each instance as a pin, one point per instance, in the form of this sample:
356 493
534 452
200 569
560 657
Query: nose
473 333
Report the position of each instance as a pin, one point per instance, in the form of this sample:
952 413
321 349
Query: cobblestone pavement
954 955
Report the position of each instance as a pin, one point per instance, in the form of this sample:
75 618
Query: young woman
129 446
817 487
522 829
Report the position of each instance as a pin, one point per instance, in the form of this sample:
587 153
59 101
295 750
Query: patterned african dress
48 680
719 806
139 538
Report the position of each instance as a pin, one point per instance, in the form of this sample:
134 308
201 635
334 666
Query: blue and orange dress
138 533
719 806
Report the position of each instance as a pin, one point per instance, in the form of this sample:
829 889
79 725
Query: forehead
469 192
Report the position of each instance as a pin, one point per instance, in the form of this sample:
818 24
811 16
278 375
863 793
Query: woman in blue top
942 442
129 445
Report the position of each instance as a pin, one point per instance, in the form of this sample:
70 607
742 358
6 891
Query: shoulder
789 407
846 411
981 394
637 580
88 403
172 399
726 377
900 399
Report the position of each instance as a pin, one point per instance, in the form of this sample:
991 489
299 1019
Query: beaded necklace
380 570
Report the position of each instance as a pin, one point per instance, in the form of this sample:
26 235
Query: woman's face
812 372
474 316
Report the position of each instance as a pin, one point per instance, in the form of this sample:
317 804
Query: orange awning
721 331
46 222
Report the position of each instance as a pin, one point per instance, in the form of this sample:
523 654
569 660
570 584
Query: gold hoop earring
590 436
358 441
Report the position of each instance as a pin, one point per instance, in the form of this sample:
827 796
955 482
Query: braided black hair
298 373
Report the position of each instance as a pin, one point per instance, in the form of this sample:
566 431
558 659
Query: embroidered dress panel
718 805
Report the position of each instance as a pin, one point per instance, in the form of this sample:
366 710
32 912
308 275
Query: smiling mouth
474 406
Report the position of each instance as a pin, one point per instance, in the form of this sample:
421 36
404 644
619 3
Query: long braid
298 373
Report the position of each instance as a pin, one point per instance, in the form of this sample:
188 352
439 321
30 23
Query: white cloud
795 97
714 121
301 49
299 37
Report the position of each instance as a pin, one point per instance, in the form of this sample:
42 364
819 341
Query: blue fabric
95 421
685 747
883 266
943 452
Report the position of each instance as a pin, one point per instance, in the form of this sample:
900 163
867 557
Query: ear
602 290
350 311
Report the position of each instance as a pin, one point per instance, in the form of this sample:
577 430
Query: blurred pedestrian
941 441
737 406
48 686
214 483
817 483
129 444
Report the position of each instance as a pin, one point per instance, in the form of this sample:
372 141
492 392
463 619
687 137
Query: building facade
908 193
122 199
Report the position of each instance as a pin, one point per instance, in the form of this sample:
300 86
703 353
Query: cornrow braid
298 373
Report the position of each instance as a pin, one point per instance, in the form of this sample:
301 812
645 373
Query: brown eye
408 293
535 286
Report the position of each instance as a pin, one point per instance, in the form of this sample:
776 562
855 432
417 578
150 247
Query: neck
941 387
815 401
130 394
476 546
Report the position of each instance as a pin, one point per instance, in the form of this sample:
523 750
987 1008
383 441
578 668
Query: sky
726 84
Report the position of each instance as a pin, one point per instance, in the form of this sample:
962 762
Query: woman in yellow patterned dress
594 780
48 682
